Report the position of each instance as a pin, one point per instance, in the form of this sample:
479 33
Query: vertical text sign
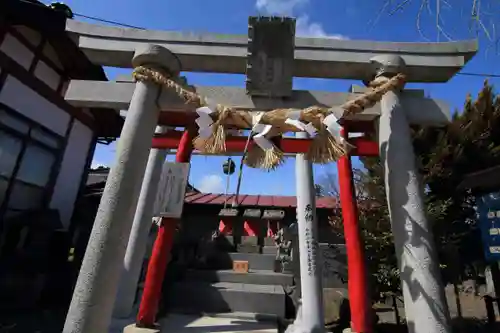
311 242
171 190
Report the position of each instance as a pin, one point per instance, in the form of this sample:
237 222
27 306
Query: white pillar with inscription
312 317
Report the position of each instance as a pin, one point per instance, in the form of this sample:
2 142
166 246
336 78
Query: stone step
254 240
270 249
252 277
248 248
223 297
259 317
269 241
256 261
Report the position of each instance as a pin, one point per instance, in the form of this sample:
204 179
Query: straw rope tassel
264 154
215 143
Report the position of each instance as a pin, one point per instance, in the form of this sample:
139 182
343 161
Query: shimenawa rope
327 146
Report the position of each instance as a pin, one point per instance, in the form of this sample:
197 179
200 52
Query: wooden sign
240 266
255 213
228 212
171 190
270 59
271 214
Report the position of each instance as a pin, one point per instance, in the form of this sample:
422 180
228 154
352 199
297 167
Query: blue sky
353 19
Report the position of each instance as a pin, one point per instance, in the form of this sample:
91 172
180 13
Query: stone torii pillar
137 243
311 319
91 308
425 303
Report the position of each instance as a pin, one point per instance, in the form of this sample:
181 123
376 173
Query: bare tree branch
479 15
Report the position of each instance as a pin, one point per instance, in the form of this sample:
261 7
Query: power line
479 74
86 16
141 28
108 21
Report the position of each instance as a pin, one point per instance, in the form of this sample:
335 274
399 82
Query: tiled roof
97 178
256 200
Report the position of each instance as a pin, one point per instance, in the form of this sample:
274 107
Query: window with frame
28 155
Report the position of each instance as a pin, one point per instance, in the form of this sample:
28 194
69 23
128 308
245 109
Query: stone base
134 329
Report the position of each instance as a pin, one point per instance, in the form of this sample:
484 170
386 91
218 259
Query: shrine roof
257 200
97 179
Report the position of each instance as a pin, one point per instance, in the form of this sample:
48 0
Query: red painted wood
364 147
226 227
161 250
175 118
157 266
272 228
359 298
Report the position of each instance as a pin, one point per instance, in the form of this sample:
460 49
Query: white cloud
280 7
313 29
95 164
305 28
211 184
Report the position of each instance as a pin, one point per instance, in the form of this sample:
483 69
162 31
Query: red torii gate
357 275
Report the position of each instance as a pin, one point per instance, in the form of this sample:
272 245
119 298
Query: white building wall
51 54
71 171
26 101
16 50
47 75
32 105
32 36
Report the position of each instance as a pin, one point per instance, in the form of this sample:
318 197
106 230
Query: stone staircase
221 290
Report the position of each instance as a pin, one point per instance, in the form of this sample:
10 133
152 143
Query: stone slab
269 249
134 329
252 277
249 244
313 57
119 324
177 323
201 297
248 248
250 240
269 241
260 317
117 95
335 304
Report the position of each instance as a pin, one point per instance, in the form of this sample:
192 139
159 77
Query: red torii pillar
357 279
359 299
160 256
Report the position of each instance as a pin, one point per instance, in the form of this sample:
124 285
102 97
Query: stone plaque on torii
372 62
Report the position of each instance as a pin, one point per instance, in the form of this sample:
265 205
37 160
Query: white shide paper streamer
294 120
204 121
261 130
332 125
